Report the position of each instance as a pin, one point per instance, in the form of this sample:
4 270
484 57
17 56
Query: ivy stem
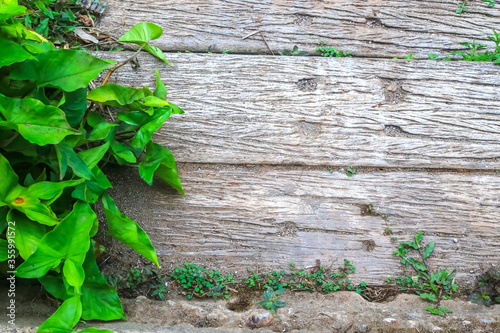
111 71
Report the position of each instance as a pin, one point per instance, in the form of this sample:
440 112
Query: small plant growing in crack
271 300
294 52
350 171
431 286
462 8
328 51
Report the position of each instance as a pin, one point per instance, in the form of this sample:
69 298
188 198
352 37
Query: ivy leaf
159 161
127 231
28 233
91 190
9 178
161 90
123 151
23 200
11 52
67 157
101 131
4 249
36 122
141 34
145 133
100 300
10 8
68 70
94 155
69 240
428 249
115 95
74 106
65 318
49 190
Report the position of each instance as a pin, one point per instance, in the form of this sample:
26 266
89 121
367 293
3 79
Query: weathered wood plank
339 112
370 28
241 217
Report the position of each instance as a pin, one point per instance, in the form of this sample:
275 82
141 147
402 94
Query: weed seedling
350 171
271 300
328 51
491 3
409 57
461 7
431 286
294 52
433 56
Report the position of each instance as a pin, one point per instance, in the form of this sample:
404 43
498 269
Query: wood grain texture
372 28
241 217
327 111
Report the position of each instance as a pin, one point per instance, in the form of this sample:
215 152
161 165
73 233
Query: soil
304 312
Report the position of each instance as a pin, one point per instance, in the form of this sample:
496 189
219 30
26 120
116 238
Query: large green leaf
161 90
91 190
10 8
75 105
145 133
69 240
100 300
23 200
156 52
54 284
67 157
94 155
123 151
101 131
49 190
115 95
36 122
141 34
11 53
68 70
159 161
9 178
28 234
3 218
3 250
95 330
65 318
127 231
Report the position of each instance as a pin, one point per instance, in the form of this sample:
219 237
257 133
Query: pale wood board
373 28
248 217
326 111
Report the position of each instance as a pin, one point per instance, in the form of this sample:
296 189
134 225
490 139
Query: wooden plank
242 217
373 28
339 112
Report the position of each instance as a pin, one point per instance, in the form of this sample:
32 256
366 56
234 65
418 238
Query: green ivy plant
54 140
431 286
